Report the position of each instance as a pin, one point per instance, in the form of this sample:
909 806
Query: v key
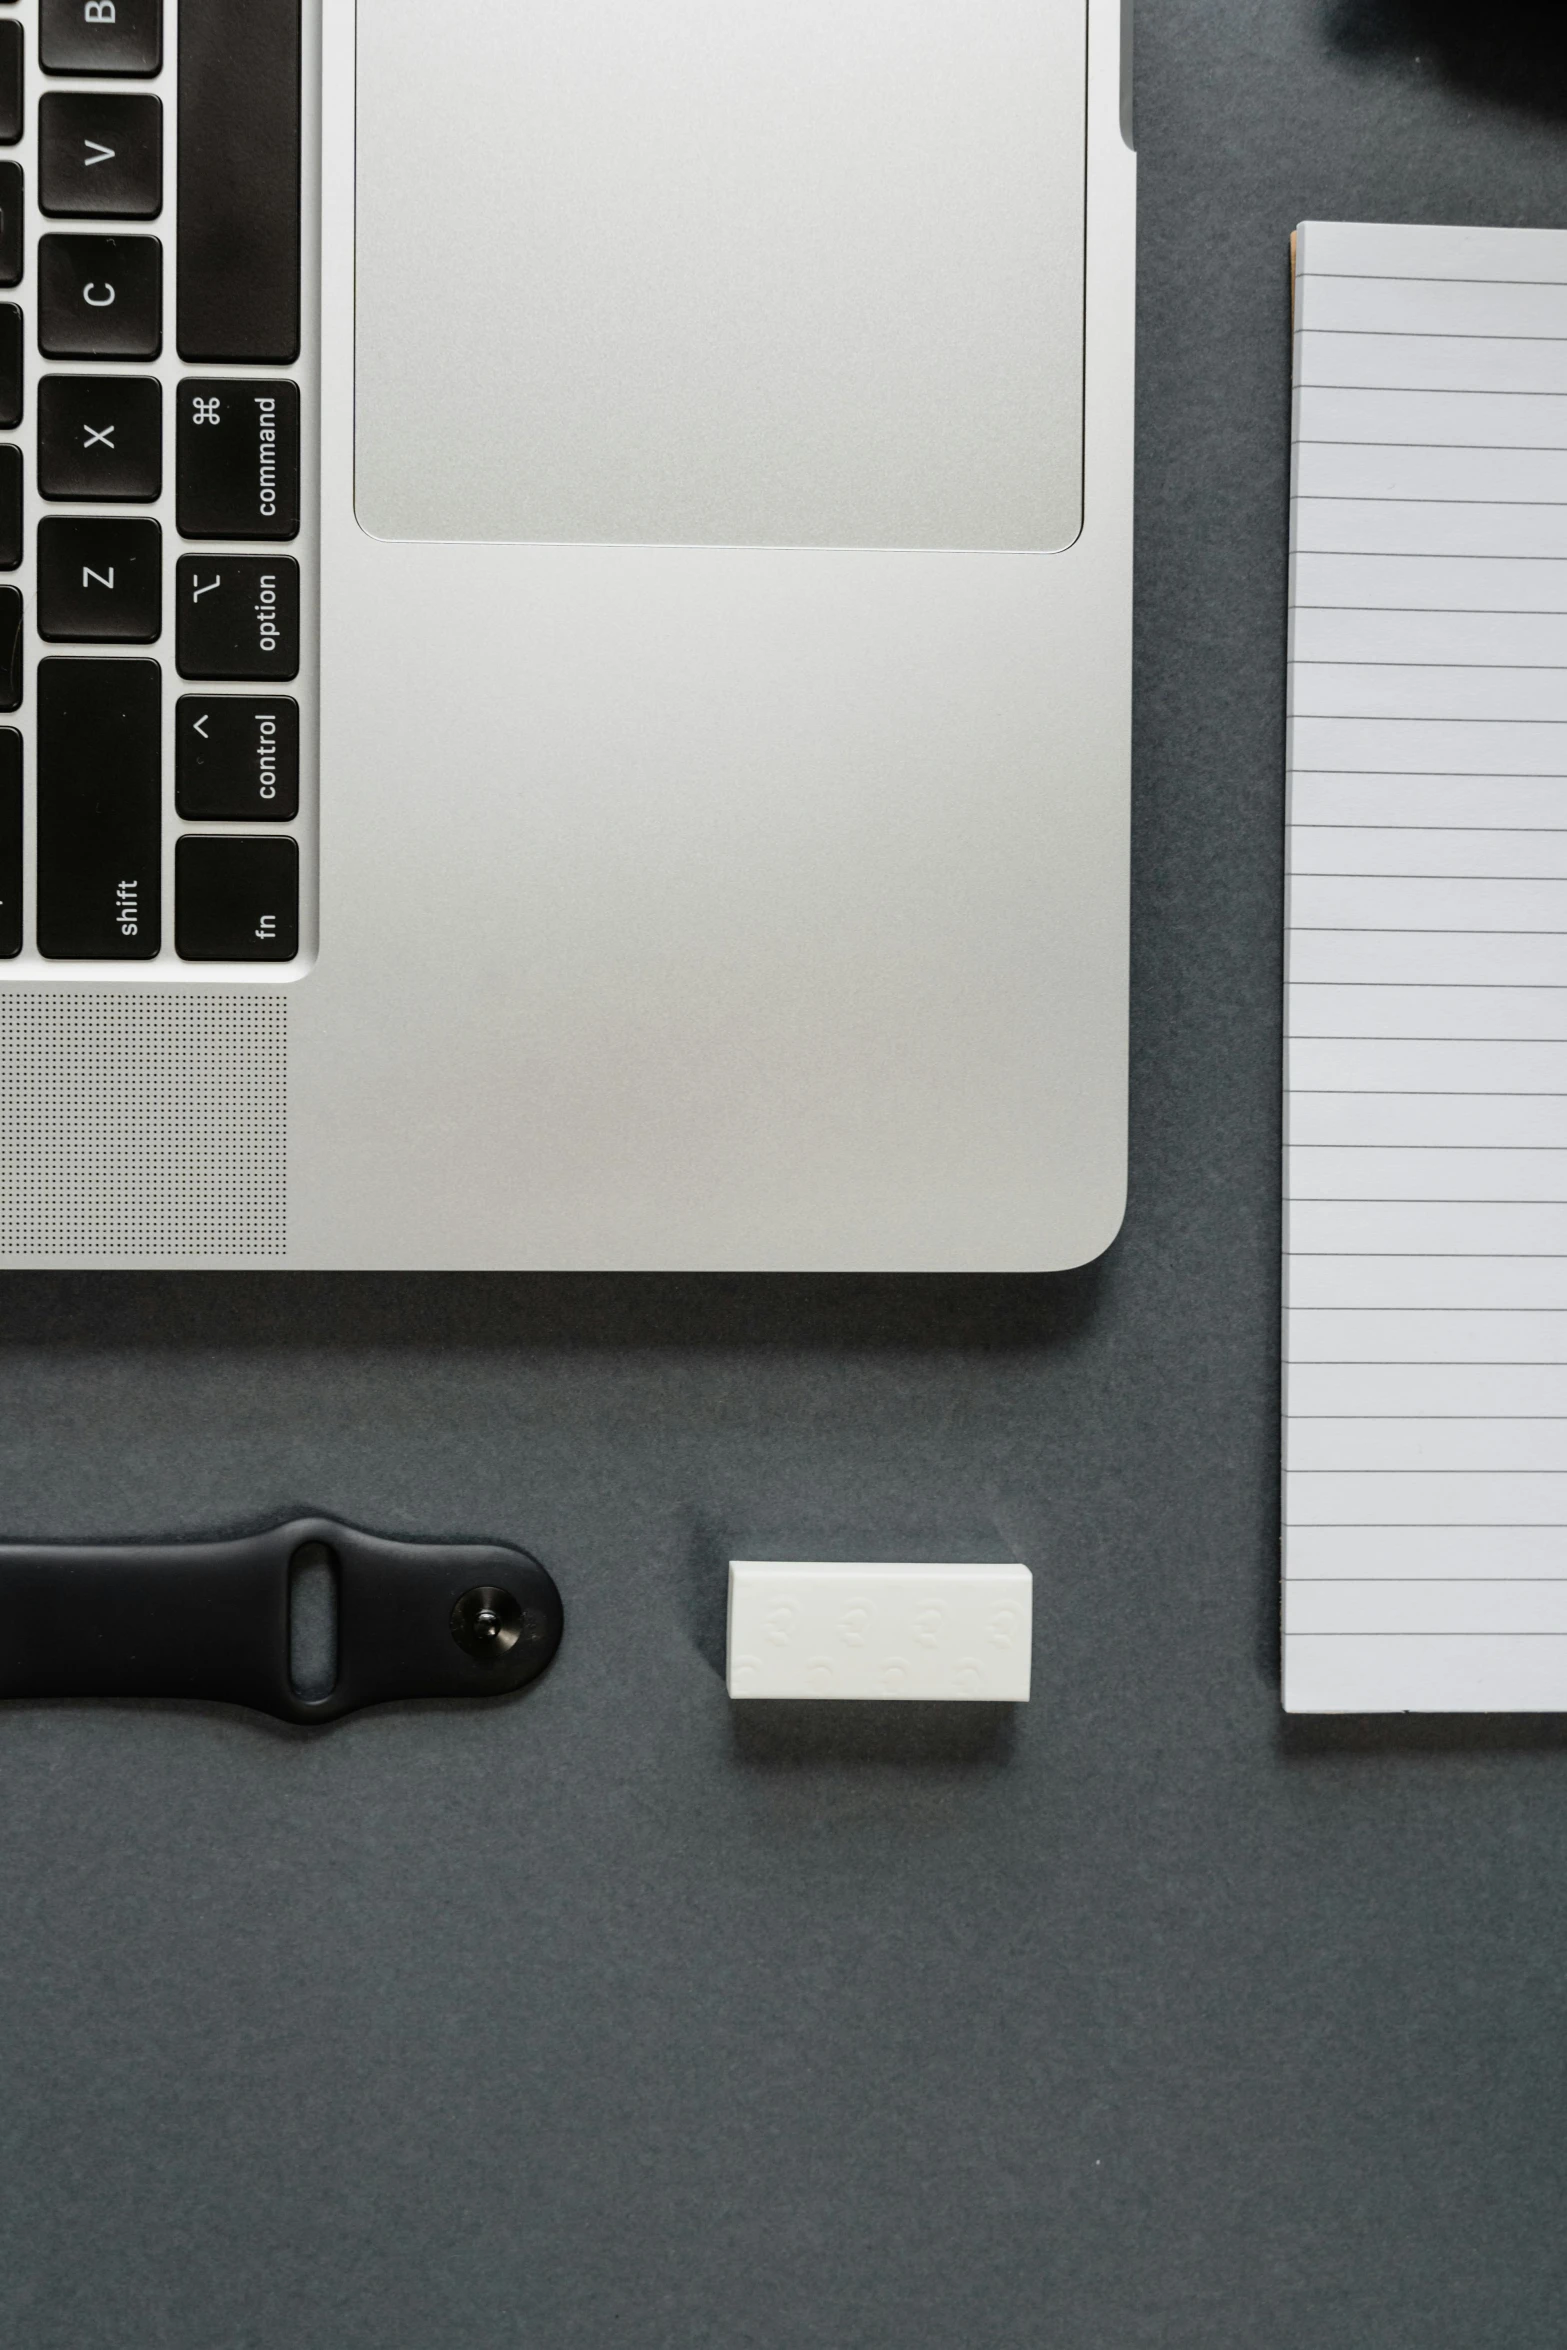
100 155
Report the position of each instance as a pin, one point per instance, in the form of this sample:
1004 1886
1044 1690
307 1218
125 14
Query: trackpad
732 272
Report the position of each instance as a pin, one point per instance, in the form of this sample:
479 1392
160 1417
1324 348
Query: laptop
565 606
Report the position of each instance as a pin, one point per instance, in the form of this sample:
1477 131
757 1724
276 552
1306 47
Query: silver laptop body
712 684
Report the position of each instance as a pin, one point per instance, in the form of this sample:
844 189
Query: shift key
237 616
99 798
10 841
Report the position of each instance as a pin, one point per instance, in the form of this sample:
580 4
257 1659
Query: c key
98 297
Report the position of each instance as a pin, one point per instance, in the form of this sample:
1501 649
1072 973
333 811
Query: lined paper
1425 1103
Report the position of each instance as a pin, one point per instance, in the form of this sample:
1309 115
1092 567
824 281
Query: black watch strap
212 1619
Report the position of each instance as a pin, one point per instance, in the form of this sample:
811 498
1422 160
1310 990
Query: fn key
236 901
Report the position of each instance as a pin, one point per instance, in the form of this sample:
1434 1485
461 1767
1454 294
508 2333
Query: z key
98 581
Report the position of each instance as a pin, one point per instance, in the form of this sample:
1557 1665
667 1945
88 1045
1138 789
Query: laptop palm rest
725 593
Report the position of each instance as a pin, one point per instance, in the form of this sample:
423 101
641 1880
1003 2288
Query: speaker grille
141 1123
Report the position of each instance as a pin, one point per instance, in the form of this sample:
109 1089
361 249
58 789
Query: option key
237 616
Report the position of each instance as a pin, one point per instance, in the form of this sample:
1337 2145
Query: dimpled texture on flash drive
861 1630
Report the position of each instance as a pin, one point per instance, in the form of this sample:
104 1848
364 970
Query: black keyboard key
11 224
98 297
10 366
99 834
236 758
10 84
236 901
98 582
239 181
10 505
237 616
10 648
100 156
237 459
100 36
99 436
10 841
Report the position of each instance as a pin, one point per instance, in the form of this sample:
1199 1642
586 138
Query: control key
236 757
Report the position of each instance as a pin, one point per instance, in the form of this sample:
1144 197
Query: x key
99 437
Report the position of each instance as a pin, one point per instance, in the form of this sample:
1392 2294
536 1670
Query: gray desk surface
607 2020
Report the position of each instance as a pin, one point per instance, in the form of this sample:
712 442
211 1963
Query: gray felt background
611 2020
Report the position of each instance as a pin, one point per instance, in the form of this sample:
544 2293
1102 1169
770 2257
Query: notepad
1425 1088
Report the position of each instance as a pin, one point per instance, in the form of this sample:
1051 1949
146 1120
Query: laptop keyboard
157 664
